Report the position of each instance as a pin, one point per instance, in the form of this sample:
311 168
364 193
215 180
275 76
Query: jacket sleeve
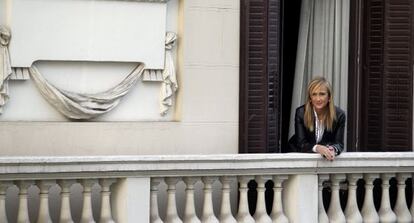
339 134
302 142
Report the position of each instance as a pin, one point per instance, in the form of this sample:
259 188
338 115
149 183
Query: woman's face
319 98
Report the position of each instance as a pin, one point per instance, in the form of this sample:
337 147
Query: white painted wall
204 120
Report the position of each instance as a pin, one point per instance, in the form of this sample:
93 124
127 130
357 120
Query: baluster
278 215
106 210
23 212
44 186
335 211
87 215
322 216
65 215
189 211
412 201
368 212
401 209
352 213
385 212
261 215
208 213
4 185
225 211
172 216
243 216
155 217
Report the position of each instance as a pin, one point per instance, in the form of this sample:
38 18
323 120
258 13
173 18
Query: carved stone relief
85 38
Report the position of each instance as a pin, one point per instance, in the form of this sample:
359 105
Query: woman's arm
339 134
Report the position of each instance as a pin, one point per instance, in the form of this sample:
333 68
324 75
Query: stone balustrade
357 187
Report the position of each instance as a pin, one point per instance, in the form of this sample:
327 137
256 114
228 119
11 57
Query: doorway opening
290 32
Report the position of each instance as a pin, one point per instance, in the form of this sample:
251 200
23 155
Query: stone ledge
200 165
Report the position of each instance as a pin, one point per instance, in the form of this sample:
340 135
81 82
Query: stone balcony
207 188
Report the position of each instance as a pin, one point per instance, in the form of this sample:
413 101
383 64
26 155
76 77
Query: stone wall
204 119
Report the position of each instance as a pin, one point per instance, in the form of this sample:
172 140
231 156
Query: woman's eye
319 94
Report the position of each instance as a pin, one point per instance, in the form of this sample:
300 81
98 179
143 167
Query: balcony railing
207 188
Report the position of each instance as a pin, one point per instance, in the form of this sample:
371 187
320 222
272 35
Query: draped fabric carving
5 66
169 85
84 106
87 106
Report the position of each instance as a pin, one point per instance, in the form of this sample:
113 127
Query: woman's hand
326 151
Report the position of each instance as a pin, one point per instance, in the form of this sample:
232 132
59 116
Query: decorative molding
130 38
83 106
152 75
20 73
5 67
170 84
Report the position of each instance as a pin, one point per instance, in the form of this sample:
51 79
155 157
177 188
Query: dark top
304 140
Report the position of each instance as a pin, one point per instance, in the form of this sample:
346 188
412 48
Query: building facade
168 151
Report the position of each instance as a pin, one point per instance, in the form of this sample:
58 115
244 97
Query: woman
319 124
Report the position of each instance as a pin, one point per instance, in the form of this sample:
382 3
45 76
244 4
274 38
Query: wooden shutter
259 76
385 83
373 95
398 79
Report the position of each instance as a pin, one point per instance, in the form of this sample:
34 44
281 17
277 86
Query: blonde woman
319 124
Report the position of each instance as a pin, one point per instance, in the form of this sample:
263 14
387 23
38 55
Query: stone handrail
199 165
132 186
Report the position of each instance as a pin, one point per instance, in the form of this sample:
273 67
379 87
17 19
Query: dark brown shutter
385 79
259 76
373 77
398 79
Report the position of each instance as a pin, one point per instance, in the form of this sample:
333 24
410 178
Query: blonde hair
330 113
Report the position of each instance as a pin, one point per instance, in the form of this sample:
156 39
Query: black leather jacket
304 140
